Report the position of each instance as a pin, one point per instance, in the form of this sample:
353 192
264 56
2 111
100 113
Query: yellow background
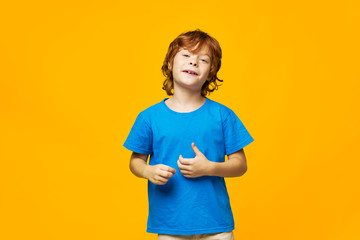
75 74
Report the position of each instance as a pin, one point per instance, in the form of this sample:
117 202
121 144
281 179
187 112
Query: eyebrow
200 54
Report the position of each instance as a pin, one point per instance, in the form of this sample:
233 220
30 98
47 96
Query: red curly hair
188 41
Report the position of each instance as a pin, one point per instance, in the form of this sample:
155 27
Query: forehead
204 50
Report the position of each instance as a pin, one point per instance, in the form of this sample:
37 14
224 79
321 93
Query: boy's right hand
159 174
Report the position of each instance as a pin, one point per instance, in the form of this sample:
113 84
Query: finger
158 180
163 173
166 174
172 170
160 183
187 174
184 161
183 167
167 168
185 170
161 179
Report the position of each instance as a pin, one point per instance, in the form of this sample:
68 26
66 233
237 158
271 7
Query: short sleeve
235 134
140 137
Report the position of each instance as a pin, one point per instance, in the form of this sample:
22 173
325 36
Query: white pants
210 236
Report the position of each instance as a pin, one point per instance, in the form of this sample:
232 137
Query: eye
203 60
186 55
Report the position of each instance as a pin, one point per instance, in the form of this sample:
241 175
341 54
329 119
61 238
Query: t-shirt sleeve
140 137
235 134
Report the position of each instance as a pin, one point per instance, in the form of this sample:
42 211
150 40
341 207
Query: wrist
211 168
145 172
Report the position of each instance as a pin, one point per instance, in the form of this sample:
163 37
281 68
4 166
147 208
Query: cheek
176 67
207 71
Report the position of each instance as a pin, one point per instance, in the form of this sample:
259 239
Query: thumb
195 149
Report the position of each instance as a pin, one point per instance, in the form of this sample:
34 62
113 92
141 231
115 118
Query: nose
193 62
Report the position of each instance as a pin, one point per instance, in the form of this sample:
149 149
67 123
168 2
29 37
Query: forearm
138 167
230 168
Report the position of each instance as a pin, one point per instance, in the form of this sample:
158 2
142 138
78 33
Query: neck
187 99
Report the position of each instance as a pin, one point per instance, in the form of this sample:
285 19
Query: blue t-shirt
188 206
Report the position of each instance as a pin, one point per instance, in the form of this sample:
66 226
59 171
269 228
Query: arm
138 164
235 166
158 174
199 166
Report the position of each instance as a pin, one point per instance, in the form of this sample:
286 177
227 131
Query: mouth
191 72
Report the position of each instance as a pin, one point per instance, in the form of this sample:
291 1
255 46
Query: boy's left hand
194 167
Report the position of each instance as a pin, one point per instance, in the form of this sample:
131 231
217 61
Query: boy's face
198 65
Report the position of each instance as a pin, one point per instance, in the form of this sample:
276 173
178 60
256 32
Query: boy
187 137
